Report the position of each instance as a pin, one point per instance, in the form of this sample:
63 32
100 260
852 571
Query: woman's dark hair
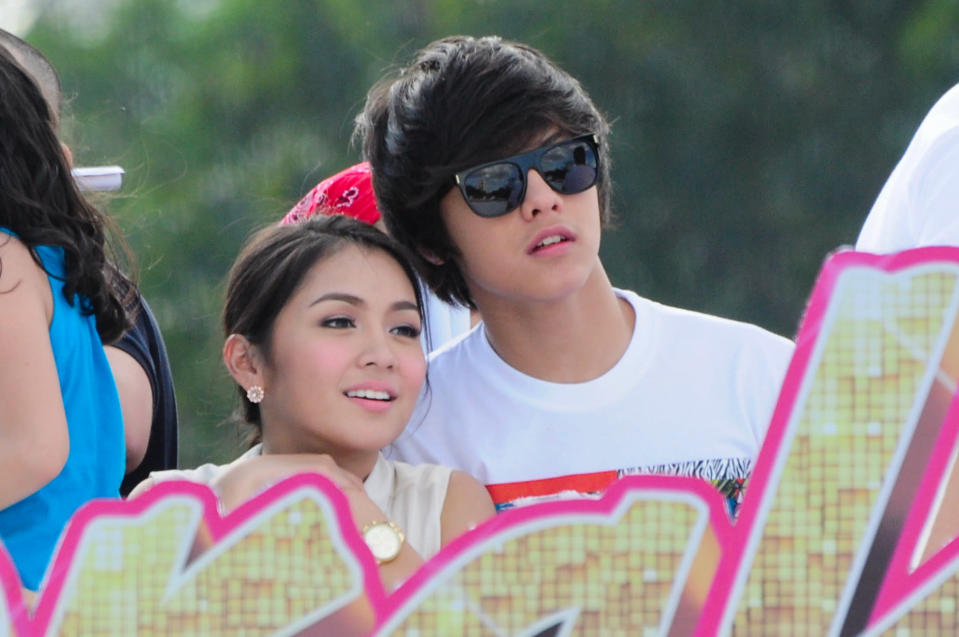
461 102
271 267
41 204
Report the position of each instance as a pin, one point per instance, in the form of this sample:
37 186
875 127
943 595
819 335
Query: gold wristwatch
384 539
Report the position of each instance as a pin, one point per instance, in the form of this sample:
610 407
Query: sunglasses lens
493 190
570 168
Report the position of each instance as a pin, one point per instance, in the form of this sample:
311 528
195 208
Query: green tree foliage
750 138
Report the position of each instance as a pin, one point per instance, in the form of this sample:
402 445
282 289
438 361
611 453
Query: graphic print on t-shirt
728 475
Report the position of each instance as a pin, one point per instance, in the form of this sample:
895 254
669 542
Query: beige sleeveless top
411 496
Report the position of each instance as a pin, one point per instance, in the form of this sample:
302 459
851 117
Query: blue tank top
31 528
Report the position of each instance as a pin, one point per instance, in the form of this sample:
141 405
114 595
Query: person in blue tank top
61 299
139 361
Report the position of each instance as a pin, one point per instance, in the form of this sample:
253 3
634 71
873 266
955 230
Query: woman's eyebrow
355 300
405 305
339 296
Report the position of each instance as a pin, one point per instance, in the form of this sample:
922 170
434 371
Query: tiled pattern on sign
935 616
617 579
876 347
275 574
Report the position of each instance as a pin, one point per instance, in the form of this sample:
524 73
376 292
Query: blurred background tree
750 138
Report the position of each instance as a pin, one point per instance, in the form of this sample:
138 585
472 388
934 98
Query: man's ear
242 360
431 256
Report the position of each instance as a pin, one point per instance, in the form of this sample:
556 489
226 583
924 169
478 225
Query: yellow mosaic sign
843 529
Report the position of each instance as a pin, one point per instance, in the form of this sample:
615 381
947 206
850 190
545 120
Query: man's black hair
461 102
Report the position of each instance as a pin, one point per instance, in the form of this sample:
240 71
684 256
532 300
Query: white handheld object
99 178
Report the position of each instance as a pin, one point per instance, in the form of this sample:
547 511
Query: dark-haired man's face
542 251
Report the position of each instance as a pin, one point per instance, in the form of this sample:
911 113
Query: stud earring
254 394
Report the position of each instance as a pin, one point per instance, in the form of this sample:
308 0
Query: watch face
384 541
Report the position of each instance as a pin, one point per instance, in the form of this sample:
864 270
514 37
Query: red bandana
348 192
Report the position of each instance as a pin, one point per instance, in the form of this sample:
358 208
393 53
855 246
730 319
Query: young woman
60 301
323 321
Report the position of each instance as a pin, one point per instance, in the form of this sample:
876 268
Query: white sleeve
936 193
917 205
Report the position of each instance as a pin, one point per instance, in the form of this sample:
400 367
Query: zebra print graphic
713 470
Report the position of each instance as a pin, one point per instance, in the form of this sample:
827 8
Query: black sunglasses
494 188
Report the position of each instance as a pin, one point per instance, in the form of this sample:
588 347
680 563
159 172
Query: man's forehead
538 139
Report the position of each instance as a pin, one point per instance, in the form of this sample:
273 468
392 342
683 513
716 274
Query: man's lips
549 237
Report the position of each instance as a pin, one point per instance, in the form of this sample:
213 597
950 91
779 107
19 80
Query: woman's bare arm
467 504
136 402
34 440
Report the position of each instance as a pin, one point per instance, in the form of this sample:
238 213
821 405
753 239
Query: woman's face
345 365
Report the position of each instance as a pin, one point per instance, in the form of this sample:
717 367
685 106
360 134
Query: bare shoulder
16 257
467 504
20 275
463 485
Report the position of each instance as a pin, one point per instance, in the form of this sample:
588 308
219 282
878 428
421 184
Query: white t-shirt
919 204
692 395
443 322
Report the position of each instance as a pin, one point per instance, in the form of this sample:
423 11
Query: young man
492 164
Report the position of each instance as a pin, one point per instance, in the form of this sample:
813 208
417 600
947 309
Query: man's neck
572 340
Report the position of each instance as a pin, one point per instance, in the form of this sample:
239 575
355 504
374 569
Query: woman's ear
242 360
67 154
